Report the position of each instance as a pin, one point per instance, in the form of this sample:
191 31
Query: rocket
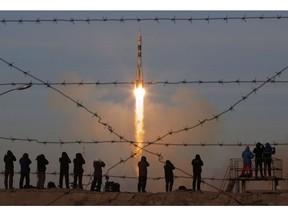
139 75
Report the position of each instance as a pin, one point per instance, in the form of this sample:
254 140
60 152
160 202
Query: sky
174 52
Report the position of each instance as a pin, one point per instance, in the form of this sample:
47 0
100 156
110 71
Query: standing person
169 176
197 164
97 181
142 178
25 171
247 157
9 159
78 170
64 170
41 169
258 151
267 156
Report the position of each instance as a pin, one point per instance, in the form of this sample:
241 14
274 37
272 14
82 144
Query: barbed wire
98 142
160 138
164 83
186 128
217 116
155 19
79 104
124 177
204 121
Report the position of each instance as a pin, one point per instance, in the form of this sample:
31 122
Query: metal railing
236 165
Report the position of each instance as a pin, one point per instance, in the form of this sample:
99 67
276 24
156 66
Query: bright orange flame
139 93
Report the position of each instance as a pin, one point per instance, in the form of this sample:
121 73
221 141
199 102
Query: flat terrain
63 197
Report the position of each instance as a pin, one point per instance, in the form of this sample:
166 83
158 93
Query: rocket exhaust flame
139 93
139 117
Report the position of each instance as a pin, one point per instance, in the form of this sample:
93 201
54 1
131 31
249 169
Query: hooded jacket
9 159
197 164
142 165
41 163
64 162
25 163
247 155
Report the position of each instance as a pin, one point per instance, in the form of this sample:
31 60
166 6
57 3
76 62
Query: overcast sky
107 52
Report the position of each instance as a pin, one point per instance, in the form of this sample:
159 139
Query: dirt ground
76 197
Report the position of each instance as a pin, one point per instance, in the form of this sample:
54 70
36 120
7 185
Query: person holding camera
97 181
247 156
267 156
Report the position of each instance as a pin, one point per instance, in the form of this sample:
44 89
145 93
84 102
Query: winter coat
98 168
25 163
64 163
247 155
142 165
41 163
9 159
169 167
258 151
78 162
197 164
268 151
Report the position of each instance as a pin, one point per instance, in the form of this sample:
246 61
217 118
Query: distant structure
139 75
233 179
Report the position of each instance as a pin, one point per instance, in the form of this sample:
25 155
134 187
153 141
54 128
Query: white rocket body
139 76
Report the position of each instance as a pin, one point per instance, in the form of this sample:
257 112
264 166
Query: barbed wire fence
164 83
160 138
150 83
155 19
99 142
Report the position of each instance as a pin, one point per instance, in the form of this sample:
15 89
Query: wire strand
149 83
208 19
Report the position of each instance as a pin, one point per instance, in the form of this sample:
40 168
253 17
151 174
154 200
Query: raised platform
242 180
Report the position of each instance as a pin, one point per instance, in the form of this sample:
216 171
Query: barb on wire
217 116
77 103
98 142
186 128
155 19
171 132
201 122
123 176
164 83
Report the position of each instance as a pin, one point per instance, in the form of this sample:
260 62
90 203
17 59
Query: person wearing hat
169 176
41 170
258 151
197 164
25 170
9 159
97 181
247 156
142 179
267 156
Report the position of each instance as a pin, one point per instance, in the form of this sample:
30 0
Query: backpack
51 185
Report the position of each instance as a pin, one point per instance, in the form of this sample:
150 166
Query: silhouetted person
25 170
64 170
169 176
142 179
197 164
9 159
78 170
247 156
97 181
41 170
267 157
258 151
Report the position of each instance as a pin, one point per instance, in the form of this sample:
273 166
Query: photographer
97 181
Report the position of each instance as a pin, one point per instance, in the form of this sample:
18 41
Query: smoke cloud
116 107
